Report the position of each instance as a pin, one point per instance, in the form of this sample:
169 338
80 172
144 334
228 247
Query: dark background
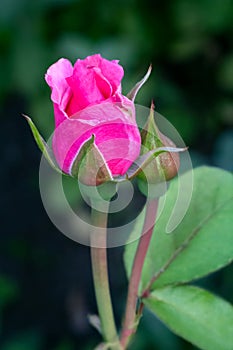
46 289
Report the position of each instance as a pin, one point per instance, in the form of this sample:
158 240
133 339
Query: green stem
131 318
101 281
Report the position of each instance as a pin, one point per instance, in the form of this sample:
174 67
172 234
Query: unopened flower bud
164 166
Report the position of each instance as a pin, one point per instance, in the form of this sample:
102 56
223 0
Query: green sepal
132 94
90 167
161 167
156 190
150 134
144 160
43 146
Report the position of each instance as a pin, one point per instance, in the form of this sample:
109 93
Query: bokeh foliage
43 293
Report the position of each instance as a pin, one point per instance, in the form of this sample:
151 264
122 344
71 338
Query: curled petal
115 131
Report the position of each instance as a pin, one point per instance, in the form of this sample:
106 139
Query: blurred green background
45 279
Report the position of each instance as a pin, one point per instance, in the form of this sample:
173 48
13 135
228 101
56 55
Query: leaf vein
181 248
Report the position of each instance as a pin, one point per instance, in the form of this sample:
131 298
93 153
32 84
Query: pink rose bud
88 102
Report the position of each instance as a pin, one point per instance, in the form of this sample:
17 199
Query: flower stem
101 281
131 318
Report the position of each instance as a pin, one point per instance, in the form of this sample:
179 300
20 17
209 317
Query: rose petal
102 83
56 78
113 72
87 101
116 135
84 88
94 79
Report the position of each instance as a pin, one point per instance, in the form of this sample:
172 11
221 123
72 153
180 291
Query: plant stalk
131 318
101 280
